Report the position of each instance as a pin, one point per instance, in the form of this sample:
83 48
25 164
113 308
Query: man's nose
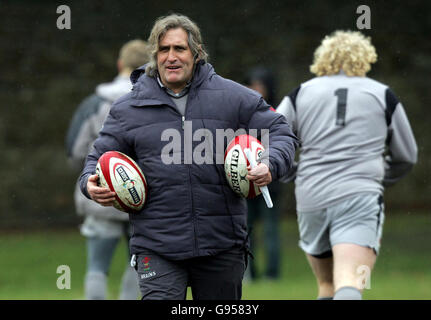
171 55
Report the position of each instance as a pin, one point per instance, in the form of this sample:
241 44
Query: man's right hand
103 196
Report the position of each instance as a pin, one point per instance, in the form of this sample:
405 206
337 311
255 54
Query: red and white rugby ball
236 162
122 175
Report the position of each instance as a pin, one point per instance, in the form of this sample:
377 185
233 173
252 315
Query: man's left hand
260 175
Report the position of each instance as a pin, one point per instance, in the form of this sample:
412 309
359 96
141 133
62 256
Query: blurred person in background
262 80
355 140
103 226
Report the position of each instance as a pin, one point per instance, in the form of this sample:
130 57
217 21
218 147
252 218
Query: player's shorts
358 220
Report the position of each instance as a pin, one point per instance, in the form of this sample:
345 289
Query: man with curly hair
355 140
193 228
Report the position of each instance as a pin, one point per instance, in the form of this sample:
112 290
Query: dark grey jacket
190 210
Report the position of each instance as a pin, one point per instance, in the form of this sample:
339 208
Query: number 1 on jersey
341 106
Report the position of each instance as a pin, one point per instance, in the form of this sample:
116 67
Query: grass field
29 262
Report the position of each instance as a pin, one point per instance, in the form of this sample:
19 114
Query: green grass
29 262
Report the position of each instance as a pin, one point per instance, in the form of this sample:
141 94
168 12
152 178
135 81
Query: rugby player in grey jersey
355 140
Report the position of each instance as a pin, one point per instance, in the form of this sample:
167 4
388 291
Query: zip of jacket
196 244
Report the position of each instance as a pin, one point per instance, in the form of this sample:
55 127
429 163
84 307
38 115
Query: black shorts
217 277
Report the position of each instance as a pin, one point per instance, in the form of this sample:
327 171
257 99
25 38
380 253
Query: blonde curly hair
349 51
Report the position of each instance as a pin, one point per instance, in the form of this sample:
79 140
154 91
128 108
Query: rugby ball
236 162
122 175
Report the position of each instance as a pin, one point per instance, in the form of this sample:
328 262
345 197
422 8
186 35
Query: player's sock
95 285
325 298
129 285
348 293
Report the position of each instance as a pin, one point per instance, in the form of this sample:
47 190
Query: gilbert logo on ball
236 162
121 174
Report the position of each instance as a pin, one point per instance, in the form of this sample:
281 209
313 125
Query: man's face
175 59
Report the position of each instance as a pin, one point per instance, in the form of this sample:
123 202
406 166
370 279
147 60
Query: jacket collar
180 94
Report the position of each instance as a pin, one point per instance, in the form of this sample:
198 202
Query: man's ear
196 58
